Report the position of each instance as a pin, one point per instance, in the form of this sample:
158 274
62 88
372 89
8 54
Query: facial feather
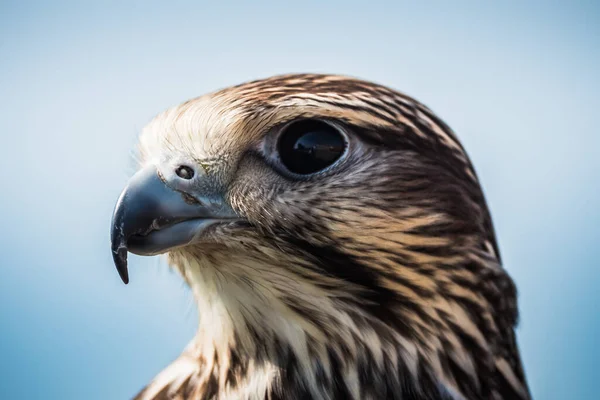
378 278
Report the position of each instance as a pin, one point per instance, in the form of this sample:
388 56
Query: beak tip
120 259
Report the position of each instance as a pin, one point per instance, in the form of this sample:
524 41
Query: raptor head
335 237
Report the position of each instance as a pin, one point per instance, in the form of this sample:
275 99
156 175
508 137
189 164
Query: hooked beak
151 217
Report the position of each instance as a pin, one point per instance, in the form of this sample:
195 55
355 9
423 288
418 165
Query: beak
151 217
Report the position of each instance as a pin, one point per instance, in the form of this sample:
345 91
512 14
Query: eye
309 146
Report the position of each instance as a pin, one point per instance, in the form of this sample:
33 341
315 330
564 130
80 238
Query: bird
337 243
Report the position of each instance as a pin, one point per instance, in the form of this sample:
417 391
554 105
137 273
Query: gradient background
518 82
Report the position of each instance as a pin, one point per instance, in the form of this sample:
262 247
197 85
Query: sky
517 81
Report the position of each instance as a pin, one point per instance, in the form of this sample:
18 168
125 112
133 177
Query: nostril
184 172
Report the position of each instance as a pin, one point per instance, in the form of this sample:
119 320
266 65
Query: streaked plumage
377 279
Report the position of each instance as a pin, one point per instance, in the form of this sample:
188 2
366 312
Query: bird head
329 221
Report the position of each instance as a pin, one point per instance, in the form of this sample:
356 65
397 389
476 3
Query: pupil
319 146
309 146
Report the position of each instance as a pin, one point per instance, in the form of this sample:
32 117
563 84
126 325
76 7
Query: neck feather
264 330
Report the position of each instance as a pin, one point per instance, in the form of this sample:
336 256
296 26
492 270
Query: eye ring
184 172
309 146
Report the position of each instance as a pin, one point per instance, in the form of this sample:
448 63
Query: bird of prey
337 243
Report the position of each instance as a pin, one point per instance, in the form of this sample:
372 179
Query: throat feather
267 331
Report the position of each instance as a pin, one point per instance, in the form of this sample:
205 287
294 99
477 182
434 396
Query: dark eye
309 146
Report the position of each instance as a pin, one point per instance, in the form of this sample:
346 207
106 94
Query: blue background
518 81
